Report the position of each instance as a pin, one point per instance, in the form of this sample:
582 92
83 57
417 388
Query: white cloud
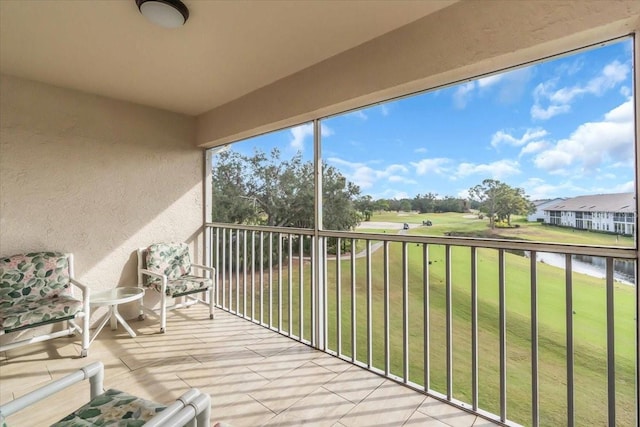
384 110
463 194
538 189
529 135
559 101
625 187
420 150
436 165
496 170
511 86
534 147
364 175
593 144
539 113
300 134
490 81
358 114
402 179
461 95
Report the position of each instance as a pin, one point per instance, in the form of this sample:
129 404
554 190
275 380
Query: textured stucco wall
463 41
97 177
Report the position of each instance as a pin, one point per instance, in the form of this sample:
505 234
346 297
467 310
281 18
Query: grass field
531 231
589 324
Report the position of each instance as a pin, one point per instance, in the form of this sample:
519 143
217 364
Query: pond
623 270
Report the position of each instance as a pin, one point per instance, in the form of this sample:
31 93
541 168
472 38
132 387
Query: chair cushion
170 259
185 285
112 408
42 274
33 310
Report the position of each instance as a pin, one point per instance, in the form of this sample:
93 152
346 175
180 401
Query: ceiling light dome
166 13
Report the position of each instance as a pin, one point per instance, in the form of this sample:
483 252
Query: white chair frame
189 300
192 408
72 327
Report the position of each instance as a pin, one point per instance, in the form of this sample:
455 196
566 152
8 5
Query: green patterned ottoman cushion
34 310
112 408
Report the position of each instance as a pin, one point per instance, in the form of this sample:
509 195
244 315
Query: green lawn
444 223
589 325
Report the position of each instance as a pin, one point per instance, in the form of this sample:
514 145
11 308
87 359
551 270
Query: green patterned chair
38 289
114 407
167 268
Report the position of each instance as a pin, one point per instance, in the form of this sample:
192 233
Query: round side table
112 298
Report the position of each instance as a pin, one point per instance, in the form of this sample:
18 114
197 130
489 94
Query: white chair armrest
204 267
94 372
198 410
84 288
86 296
162 418
152 273
86 291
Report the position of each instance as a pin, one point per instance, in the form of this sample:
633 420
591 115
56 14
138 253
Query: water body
623 270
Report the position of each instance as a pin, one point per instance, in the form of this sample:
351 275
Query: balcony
485 325
256 377
103 150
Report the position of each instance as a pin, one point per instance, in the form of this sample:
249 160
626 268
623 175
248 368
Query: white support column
206 197
636 97
319 241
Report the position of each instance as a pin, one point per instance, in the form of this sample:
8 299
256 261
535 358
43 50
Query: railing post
319 245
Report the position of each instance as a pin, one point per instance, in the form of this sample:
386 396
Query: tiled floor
255 377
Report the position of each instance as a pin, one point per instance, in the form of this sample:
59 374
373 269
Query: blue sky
556 129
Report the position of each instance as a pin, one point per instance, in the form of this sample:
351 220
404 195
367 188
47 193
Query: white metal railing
267 275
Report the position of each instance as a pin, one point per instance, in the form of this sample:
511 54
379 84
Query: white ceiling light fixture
166 13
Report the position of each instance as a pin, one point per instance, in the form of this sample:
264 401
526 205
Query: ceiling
225 50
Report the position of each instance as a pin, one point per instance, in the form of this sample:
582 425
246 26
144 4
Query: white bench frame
193 408
72 326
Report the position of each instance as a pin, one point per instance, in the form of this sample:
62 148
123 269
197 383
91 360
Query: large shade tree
266 189
500 201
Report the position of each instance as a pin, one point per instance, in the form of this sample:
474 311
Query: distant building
541 205
614 213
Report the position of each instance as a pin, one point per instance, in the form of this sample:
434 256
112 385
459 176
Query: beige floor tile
18 375
481 422
423 420
228 388
389 405
354 384
271 346
53 408
52 349
150 357
227 356
320 408
446 413
332 363
242 412
280 394
277 366
232 359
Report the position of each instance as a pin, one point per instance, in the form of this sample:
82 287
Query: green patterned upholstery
173 260
35 311
112 408
34 290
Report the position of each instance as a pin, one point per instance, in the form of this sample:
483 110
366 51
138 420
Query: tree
268 190
513 201
424 203
499 201
366 206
